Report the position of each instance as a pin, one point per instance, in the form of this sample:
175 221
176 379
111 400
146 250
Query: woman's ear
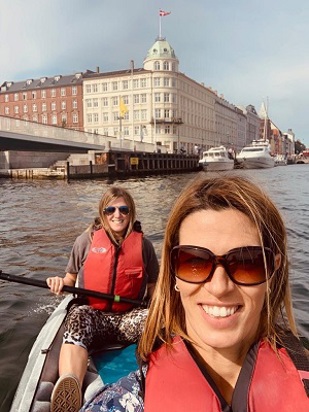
277 261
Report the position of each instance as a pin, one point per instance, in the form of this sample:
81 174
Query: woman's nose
220 283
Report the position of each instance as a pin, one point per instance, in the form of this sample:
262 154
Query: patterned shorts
92 328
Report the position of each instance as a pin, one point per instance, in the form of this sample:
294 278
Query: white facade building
158 104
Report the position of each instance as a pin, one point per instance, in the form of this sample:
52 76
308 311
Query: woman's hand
56 283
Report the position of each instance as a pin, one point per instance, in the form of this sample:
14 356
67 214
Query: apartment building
55 101
159 104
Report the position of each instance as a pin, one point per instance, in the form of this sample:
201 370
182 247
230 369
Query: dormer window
155 51
43 79
29 82
57 78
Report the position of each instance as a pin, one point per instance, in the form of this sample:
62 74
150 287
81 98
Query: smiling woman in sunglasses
220 334
113 257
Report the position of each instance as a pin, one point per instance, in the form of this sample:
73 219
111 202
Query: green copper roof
161 49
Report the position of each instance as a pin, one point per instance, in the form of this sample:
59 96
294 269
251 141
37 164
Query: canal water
39 221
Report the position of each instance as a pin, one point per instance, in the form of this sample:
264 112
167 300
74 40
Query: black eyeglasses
109 210
243 265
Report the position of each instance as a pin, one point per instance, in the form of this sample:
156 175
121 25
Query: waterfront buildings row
155 104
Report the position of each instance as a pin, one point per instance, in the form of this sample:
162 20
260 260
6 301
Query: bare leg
73 359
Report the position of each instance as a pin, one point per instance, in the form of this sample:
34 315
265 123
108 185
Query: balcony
167 120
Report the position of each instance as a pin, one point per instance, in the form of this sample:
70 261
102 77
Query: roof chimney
98 69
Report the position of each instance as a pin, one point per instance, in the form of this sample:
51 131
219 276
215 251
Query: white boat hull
218 166
257 163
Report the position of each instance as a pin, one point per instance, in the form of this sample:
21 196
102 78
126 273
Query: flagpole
160 26
132 103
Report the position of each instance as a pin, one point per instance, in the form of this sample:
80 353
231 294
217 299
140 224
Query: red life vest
114 270
174 382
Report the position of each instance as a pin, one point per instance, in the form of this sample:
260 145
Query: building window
7 110
16 97
115 131
43 107
104 87
33 95
136 130
104 102
136 98
105 117
6 98
166 81
126 131
115 101
157 113
44 119
95 102
143 82
157 81
135 83
166 113
143 98
115 86
74 90
166 97
63 91
54 119
25 108
16 109
89 118
115 116
167 129
88 103
157 97
74 104
35 118
94 88
136 115
88 88
105 131
63 105
157 66
34 108
143 114
166 66
43 94
53 106
125 84
53 93
95 117
75 118
24 96
125 99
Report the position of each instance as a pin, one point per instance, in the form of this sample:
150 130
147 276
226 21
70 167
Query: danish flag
164 13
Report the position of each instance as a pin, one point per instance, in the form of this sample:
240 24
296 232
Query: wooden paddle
71 289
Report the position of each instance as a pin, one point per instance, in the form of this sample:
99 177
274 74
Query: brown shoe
66 396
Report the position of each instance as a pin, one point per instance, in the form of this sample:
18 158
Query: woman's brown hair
166 314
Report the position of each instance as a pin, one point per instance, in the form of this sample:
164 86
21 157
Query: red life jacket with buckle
114 270
267 383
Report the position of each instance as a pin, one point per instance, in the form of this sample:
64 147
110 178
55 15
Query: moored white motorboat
256 156
217 159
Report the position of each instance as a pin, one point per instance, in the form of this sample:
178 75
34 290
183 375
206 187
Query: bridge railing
24 127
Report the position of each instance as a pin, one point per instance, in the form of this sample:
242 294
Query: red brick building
56 101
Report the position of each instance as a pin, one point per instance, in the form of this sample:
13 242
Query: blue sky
248 50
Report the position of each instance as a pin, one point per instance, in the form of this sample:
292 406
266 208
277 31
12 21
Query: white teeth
219 311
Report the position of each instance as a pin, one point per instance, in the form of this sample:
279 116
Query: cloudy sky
248 50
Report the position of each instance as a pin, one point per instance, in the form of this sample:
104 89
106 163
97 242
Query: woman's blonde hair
166 314
108 197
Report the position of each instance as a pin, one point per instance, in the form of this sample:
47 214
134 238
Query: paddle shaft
71 289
